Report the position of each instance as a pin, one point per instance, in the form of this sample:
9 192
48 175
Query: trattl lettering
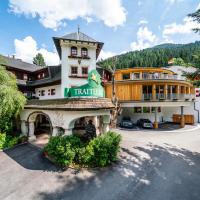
88 92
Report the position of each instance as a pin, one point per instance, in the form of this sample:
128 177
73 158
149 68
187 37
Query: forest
157 56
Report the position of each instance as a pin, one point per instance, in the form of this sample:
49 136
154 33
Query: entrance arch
40 126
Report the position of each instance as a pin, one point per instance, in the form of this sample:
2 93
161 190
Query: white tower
78 53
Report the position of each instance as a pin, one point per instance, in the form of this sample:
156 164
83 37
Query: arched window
84 52
73 51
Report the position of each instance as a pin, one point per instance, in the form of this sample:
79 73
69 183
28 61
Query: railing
21 82
155 76
168 97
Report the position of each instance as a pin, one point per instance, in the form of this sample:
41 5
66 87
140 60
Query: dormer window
73 51
84 52
41 75
25 77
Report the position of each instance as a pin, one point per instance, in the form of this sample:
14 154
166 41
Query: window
84 71
146 109
41 75
125 76
74 70
74 51
147 92
136 75
25 77
53 91
153 109
137 110
42 92
84 52
145 75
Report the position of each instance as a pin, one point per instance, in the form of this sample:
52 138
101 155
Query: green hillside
157 56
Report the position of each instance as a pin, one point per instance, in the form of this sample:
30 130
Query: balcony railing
168 97
156 76
21 82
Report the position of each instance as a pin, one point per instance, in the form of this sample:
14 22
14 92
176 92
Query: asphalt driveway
152 166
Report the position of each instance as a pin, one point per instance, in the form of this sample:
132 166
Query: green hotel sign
92 89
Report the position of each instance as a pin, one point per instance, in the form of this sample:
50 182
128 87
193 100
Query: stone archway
100 121
39 126
61 119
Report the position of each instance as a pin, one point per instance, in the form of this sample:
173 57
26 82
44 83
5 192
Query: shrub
99 152
5 124
2 140
8 141
63 149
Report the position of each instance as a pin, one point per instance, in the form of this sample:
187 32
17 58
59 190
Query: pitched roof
76 36
18 64
54 76
70 104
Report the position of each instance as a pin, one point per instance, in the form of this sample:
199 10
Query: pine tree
196 17
39 60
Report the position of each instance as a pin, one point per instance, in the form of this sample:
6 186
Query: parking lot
153 165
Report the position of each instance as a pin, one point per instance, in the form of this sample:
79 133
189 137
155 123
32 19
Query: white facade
165 114
60 119
49 92
136 116
67 62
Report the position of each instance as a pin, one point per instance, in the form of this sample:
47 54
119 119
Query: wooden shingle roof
70 104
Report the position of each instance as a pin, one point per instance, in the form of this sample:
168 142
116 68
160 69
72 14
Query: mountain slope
157 56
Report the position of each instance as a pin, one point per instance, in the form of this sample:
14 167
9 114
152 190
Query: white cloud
143 21
173 1
145 39
26 49
106 54
53 13
184 28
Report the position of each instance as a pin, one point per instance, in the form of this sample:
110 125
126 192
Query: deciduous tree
11 99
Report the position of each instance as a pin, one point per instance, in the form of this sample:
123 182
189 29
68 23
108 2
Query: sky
27 26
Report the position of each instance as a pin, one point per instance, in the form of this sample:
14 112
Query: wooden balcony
168 97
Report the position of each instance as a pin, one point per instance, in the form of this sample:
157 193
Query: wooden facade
189 119
140 84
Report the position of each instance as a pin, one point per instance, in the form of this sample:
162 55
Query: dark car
145 123
126 123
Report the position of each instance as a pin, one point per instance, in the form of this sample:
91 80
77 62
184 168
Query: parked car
126 123
145 123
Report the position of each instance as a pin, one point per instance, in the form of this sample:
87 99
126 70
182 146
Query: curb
182 131
152 130
13 146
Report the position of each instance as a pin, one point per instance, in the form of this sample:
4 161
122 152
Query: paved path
153 166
